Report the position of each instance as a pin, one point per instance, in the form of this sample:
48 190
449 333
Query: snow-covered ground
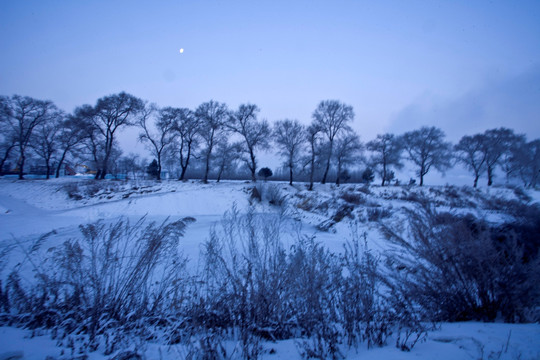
470 340
31 208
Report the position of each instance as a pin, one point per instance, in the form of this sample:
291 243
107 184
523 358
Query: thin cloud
513 102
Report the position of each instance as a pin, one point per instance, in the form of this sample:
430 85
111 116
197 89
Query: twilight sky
462 65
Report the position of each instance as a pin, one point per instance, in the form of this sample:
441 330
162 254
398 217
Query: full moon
181 51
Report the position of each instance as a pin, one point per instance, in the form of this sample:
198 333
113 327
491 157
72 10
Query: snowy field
31 208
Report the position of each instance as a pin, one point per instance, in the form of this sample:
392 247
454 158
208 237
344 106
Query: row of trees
218 138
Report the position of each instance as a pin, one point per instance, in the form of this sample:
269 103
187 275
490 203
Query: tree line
218 139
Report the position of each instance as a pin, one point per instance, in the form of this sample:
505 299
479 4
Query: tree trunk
290 175
422 173
4 159
253 166
60 162
323 181
311 174
159 167
21 166
490 175
219 174
183 173
475 181
108 150
205 179
183 165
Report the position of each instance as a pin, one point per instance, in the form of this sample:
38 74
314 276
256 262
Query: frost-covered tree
290 137
426 149
332 118
45 139
21 115
212 116
188 128
227 155
348 150
69 140
132 165
469 152
255 134
496 145
159 139
92 147
313 133
516 147
8 139
386 154
526 162
110 114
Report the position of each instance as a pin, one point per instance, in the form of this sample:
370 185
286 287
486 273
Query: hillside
330 216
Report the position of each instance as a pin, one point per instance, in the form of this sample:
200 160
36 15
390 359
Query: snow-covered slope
31 208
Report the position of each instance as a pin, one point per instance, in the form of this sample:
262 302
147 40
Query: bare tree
255 133
114 161
496 144
290 137
111 113
386 151
212 116
163 136
426 148
469 152
526 162
348 149
22 115
8 139
6 146
313 137
46 140
533 165
91 145
332 118
70 138
516 146
226 157
188 126
131 164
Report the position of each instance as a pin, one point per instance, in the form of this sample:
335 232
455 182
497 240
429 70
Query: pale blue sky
461 65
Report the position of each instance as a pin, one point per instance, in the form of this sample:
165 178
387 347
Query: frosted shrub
363 313
457 267
115 276
315 274
243 283
270 193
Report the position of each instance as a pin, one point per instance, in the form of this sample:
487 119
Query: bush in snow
457 267
363 311
117 276
243 287
124 280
